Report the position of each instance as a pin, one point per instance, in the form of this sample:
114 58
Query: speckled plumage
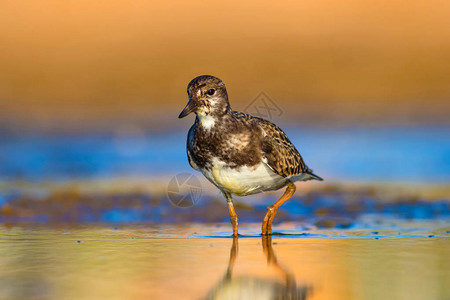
239 153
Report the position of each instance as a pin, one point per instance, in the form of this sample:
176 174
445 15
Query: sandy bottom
402 260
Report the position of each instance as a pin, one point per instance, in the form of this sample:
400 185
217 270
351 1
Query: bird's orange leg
272 210
233 216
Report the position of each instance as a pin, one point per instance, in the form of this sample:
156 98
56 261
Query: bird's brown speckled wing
282 156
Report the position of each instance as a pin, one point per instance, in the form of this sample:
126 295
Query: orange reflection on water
130 263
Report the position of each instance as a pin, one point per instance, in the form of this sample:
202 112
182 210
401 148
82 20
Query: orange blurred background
76 66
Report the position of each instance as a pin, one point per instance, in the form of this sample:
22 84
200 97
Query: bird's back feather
278 151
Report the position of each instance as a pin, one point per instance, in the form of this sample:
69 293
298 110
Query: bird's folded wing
281 155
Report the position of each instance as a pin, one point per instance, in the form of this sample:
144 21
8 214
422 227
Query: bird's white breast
243 180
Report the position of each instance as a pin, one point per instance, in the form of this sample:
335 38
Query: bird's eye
211 92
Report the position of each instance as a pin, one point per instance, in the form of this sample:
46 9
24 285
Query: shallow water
191 261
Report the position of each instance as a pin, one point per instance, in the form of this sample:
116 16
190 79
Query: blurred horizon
370 155
83 66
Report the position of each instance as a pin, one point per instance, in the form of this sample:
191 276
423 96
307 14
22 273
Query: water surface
192 261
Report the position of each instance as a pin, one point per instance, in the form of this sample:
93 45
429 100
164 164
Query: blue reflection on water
380 154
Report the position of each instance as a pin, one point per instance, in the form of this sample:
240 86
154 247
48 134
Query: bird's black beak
190 107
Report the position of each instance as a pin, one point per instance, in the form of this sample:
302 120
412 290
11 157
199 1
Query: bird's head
207 97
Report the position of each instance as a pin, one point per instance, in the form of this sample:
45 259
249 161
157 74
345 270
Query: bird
238 153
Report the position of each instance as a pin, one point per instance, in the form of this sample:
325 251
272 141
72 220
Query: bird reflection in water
252 287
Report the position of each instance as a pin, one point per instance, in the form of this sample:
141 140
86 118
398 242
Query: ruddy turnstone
239 153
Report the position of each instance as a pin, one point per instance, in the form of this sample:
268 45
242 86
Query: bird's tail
308 175
312 176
